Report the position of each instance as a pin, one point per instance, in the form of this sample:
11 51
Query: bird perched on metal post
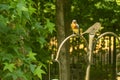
75 27
93 29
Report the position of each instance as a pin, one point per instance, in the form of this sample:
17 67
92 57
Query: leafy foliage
9 67
38 71
22 38
91 11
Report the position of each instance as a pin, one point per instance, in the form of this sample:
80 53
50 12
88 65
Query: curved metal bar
106 33
58 52
57 55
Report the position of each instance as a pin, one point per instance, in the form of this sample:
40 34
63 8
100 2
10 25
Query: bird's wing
77 26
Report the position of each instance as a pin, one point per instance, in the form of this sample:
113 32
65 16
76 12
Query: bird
93 29
75 27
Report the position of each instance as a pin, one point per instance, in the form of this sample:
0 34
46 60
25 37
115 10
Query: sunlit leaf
9 66
38 72
23 8
118 2
32 55
31 10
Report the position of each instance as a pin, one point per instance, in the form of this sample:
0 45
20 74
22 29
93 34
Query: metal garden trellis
90 46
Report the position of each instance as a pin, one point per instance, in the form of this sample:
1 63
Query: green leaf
4 7
9 66
32 55
42 41
50 26
3 20
38 72
9 75
32 67
20 73
21 6
24 8
31 10
15 75
26 15
6 56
